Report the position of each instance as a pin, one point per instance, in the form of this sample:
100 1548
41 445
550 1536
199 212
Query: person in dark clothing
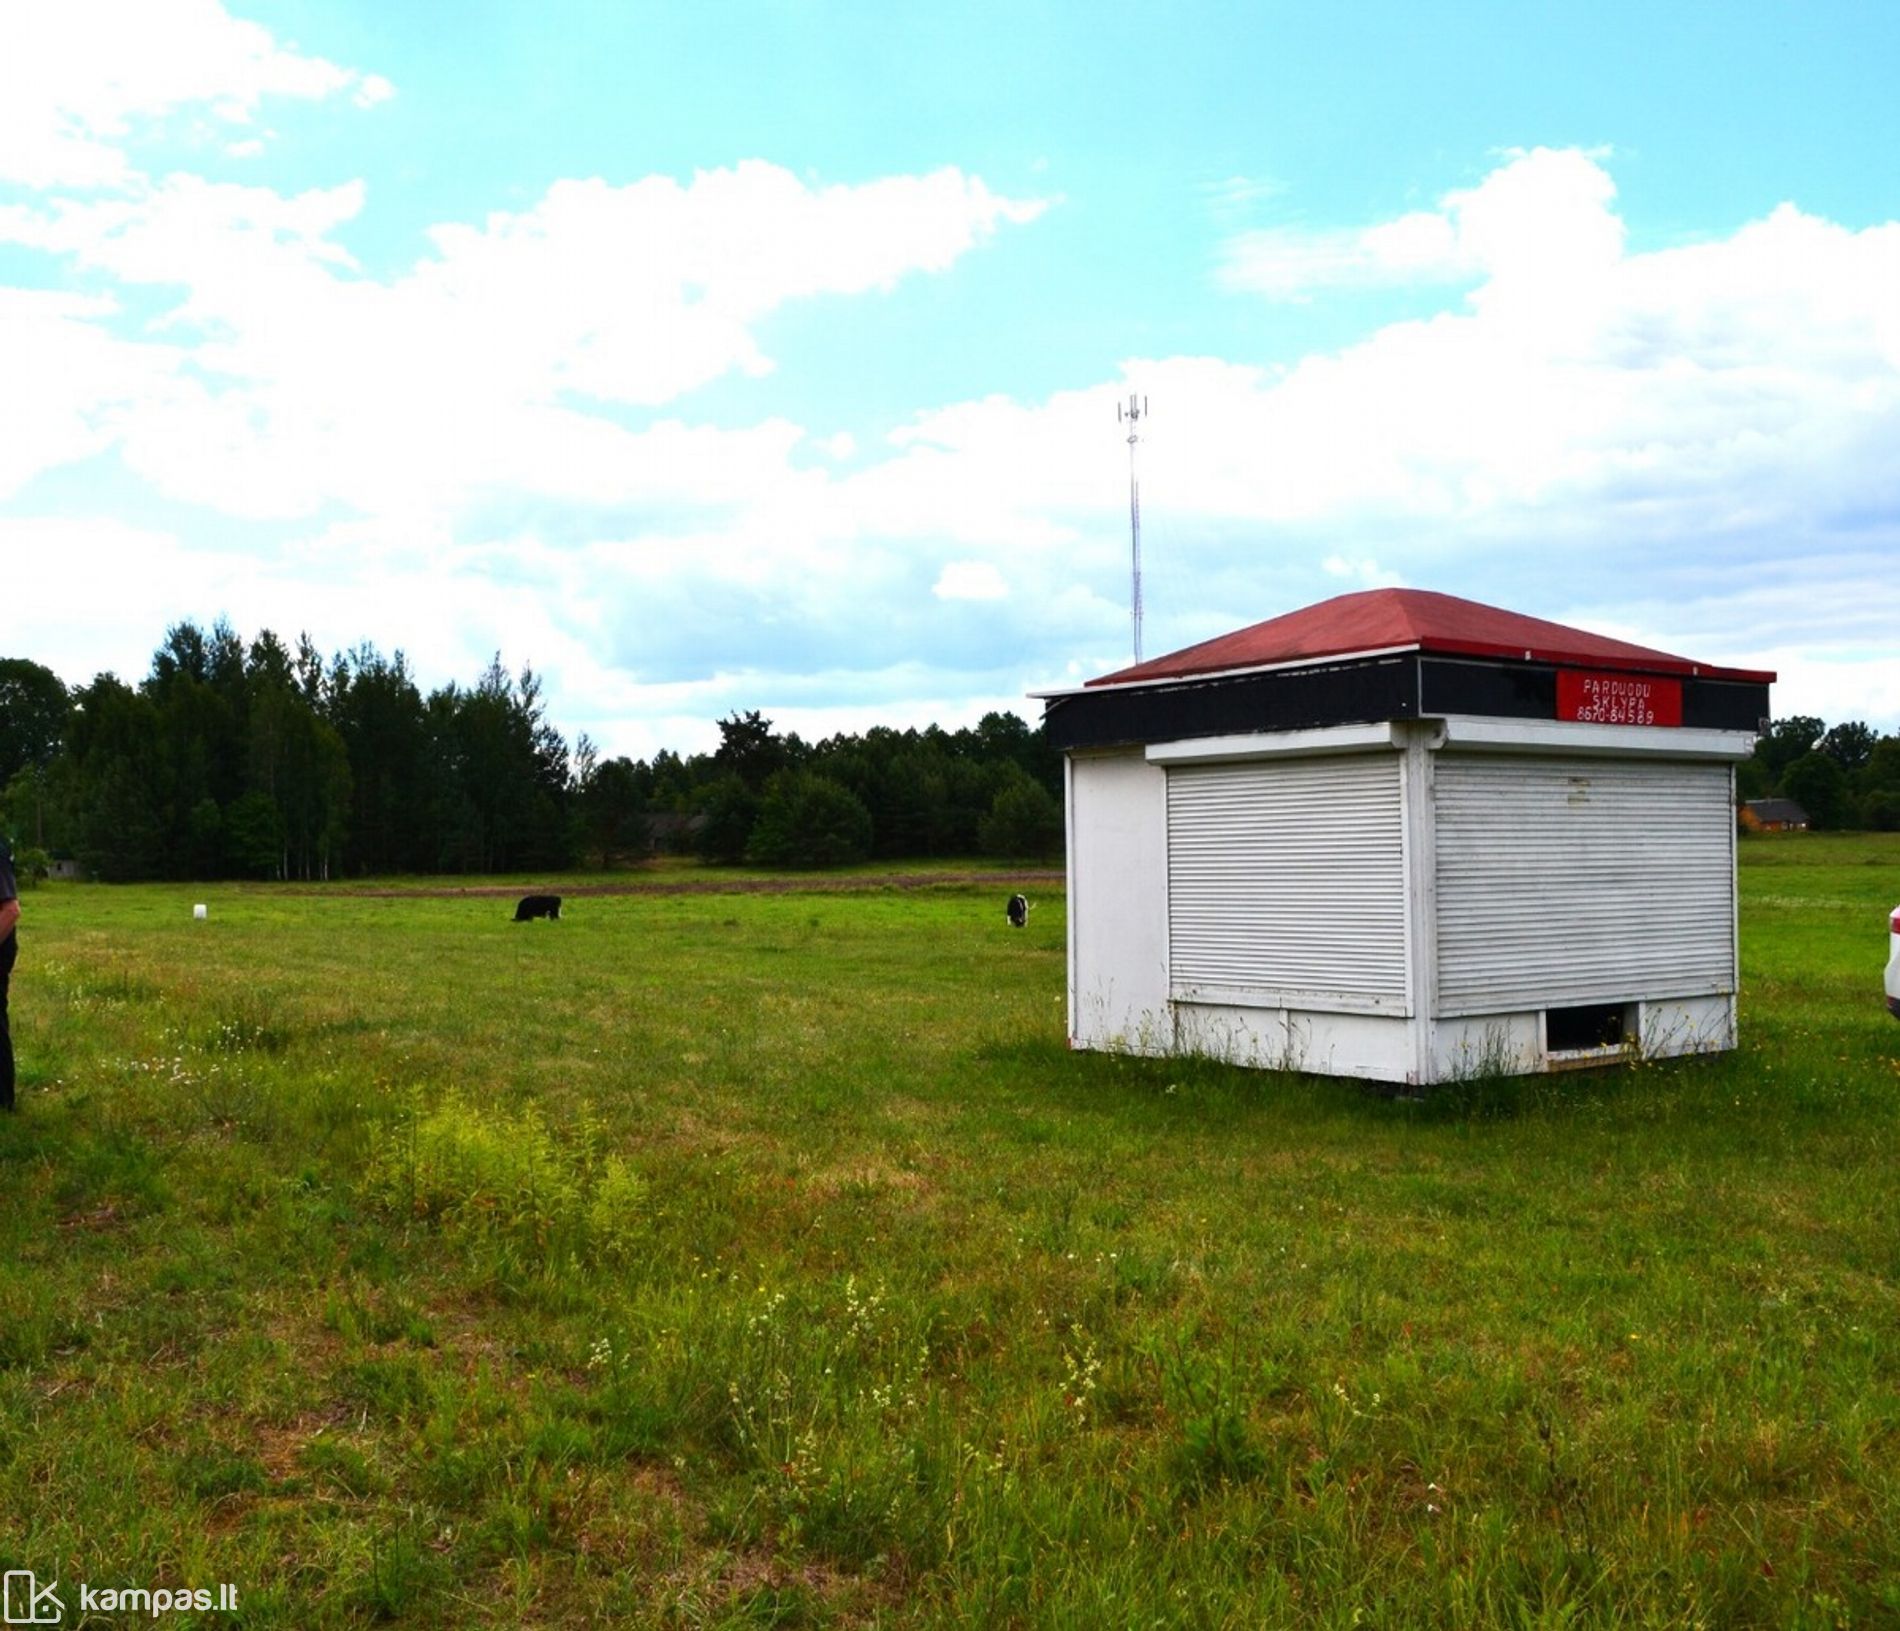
9 949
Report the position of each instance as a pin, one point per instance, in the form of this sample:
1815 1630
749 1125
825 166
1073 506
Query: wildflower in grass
1078 1385
862 1312
764 1318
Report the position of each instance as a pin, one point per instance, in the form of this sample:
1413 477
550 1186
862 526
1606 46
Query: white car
1893 963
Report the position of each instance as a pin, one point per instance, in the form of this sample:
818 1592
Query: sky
743 356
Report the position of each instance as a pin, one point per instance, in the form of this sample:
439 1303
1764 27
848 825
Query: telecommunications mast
1132 416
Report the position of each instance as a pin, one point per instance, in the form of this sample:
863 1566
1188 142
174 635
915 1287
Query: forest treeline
1845 775
263 760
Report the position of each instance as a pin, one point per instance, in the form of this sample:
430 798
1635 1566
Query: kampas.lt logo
27 1602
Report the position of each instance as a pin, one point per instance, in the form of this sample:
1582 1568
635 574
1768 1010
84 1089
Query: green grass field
712 1260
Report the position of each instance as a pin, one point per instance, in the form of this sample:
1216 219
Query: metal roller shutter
1564 882
1286 884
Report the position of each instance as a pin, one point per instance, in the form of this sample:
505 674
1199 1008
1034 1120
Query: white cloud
482 370
970 580
1543 216
68 386
1364 573
78 76
1683 394
1287 263
1691 445
1233 199
1587 428
127 578
1811 682
241 253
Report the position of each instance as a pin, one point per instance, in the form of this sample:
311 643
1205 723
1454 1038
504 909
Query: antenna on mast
1132 415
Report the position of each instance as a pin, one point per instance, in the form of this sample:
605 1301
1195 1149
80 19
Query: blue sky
765 356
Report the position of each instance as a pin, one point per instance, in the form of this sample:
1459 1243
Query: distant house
670 834
1773 815
65 867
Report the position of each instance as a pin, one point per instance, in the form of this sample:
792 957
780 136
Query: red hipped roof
1413 620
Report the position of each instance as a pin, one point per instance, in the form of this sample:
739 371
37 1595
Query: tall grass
769 1260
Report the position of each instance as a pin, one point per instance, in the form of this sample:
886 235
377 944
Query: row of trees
262 760
778 801
1845 775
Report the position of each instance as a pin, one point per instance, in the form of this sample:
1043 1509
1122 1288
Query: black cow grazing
1017 911
533 906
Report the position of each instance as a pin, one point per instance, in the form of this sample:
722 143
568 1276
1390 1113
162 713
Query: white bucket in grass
198 912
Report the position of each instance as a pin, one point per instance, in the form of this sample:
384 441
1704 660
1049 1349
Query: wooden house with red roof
1407 837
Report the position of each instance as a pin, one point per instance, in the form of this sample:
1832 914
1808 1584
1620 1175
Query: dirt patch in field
867 1176
278 1447
814 885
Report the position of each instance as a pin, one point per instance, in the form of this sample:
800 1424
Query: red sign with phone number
1617 699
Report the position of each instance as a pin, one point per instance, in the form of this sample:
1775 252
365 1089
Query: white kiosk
1407 837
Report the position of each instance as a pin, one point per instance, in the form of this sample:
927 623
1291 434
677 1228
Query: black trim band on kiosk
1362 690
